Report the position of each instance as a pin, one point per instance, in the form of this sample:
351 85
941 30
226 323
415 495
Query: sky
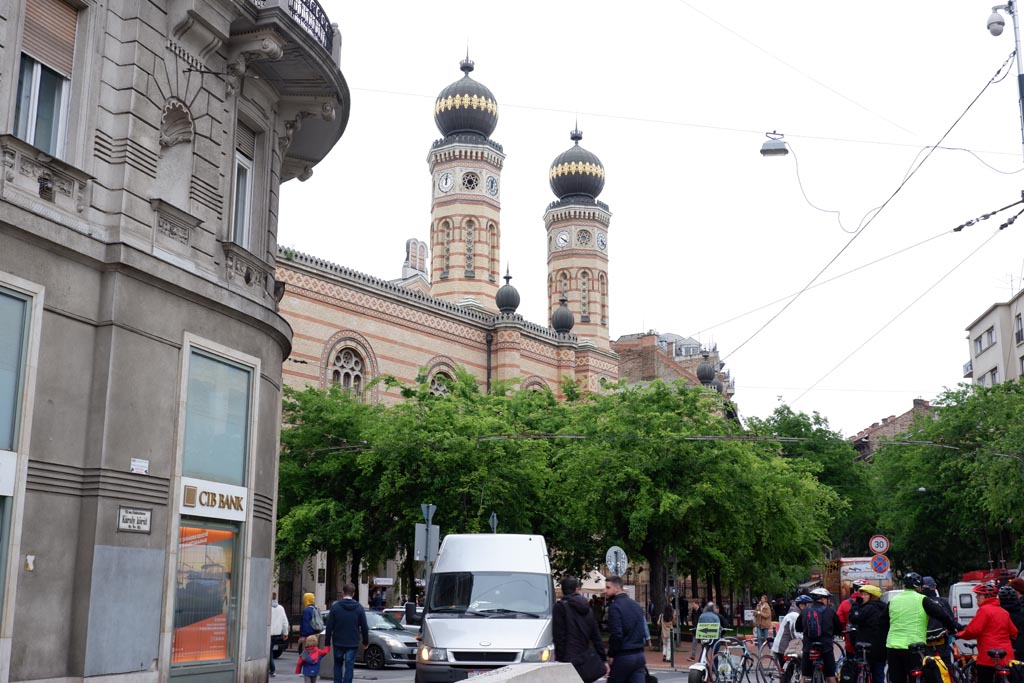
675 97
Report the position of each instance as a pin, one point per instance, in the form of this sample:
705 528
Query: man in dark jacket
821 616
936 634
1010 601
626 643
870 619
575 628
346 622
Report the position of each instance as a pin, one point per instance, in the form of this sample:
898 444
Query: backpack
814 623
309 667
1016 671
316 621
934 670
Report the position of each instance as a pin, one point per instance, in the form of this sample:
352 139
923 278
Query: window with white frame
44 74
1021 366
993 377
241 210
14 312
990 337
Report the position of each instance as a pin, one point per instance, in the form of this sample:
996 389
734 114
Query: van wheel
374 658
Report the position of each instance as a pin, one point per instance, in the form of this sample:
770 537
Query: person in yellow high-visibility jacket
908 624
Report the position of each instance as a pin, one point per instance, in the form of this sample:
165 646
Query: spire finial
466 65
508 277
576 135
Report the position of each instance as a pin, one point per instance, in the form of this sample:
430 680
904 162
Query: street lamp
995 27
774 147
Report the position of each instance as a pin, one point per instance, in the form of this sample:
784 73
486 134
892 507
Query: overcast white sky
704 229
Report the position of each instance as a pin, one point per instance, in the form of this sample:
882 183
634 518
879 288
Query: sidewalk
682 659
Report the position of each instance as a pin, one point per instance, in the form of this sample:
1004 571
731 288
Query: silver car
389 643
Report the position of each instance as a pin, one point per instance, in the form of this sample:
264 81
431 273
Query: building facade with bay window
143 143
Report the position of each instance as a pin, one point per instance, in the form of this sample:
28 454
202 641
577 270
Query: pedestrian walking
667 621
346 626
992 628
762 620
870 618
694 612
626 622
310 615
309 660
278 629
577 639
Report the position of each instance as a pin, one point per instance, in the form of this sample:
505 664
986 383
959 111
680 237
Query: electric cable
786 64
871 220
839 219
905 309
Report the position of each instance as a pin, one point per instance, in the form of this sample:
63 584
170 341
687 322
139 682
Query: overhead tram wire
688 124
789 66
871 220
966 224
906 308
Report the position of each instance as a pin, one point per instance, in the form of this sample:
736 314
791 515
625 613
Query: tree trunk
357 561
656 559
718 587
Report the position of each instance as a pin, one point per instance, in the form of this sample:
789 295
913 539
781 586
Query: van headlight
433 654
540 654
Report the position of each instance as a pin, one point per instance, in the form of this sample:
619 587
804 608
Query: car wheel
373 657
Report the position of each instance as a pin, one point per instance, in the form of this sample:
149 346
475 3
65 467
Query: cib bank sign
213 499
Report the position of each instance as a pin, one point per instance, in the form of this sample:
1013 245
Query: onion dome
576 172
507 298
717 385
706 371
562 319
466 107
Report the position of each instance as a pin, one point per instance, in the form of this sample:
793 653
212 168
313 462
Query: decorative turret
576 172
466 107
507 298
706 371
562 319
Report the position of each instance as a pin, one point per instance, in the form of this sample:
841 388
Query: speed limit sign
879 544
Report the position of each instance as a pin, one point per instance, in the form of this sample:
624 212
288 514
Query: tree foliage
955 506
630 466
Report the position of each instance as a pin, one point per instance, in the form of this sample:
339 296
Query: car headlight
540 654
391 641
433 654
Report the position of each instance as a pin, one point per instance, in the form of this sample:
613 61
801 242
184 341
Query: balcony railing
969 369
312 18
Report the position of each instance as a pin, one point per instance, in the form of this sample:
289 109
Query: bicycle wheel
722 669
864 674
767 670
819 675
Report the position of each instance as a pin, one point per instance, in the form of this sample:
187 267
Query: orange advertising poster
202 641
202 595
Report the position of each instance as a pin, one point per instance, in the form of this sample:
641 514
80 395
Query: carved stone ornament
249 47
175 123
293 116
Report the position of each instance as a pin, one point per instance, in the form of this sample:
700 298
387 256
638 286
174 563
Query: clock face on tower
562 239
492 185
446 182
602 241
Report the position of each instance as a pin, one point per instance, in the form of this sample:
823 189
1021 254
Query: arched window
439 384
603 290
347 368
443 249
493 267
584 294
470 229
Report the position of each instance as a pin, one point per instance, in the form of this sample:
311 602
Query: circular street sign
879 544
880 564
616 560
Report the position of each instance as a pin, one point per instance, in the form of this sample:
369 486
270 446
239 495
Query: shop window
13 332
44 75
216 420
206 593
241 212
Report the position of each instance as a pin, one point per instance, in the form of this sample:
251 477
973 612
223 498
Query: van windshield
490 594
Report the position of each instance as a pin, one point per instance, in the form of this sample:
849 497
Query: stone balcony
293 46
43 185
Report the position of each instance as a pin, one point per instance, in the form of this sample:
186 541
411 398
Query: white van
963 601
488 605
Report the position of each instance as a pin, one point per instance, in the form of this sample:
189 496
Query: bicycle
964 663
1002 671
917 673
817 664
732 663
710 638
863 666
777 668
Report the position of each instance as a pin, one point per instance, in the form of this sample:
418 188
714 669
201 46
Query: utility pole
428 516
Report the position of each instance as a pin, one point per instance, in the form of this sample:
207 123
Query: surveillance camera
996 24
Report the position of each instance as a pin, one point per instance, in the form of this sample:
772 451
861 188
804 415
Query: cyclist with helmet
787 628
992 628
843 612
908 624
870 618
1010 601
819 625
937 636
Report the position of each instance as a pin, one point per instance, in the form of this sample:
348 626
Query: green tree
955 506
